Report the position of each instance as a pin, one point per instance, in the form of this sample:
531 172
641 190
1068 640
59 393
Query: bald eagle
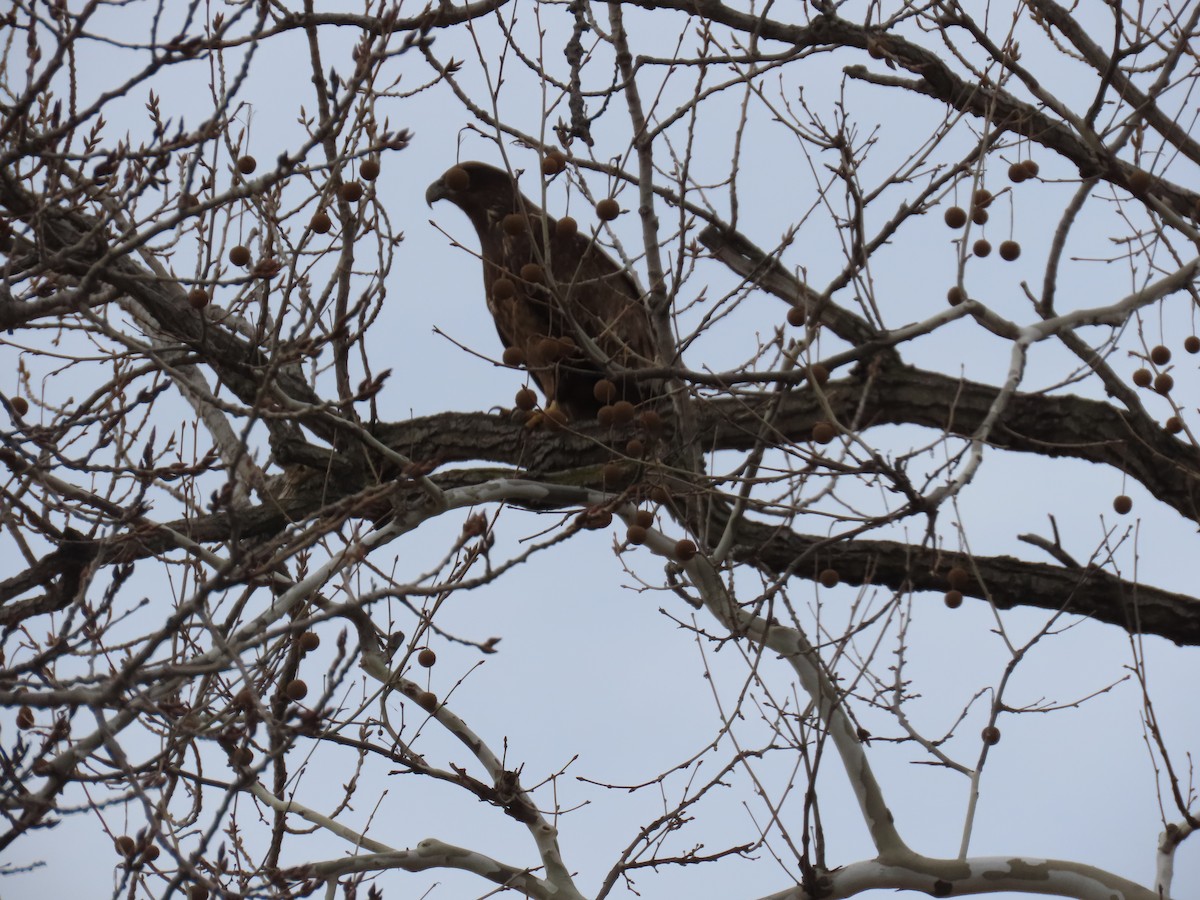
563 308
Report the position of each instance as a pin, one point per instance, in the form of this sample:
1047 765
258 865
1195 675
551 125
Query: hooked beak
436 191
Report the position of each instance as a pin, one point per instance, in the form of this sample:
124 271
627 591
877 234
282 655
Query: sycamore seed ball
369 169
982 247
622 412
651 421
456 178
795 316
1191 344
823 432
514 224
1163 382
1009 250
644 517
1173 425
635 448
1017 173
513 356
829 578
953 599
240 255
958 577
955 295
1122 504
604 391
685 550
532 273
351 191
296 689
197 892
320 223
991 735
612 473
1160 355
20 405
636 534
525 399
1142 378
1032 168
605 415
197 298
818 373
566 227
955 217
310 641
247 164
553 163
502 289
426 658
982 198
427 700
979 215
607 209
125 845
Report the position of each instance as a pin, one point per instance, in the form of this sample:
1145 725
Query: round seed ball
351 191
1173 425
197 298
1140 181
605 416
953 599
635 448
1142 378
818 373
955 295
20 405
427 700
1032 168
604 391
644 517
612 473
1191 344
553 163
125 845
247 164
457 178
982 198
1163 382
1017 173
525 399
514 224
795 316
296 689
197 892
320 223
982 247
622 412
979 215
651 421
503 288
685 550
310 641
240 256
25 718
991 735
1122 504
426 658
636 534
958 577
566 227
532 273
1009 250
829 578
369 170
823 433
607 209
955 217
1160 355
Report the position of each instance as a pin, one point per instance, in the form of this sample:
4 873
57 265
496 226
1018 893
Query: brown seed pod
197 892
188 202
532 273
515 224
958 577
1173 425
622 412
513 356
1191 344
823 433
151 853
553 163
24 718
1160 355
240 256
426 658
197 298
635 448
660 495
320 223
1142 377
605 416
310 641
795 316
981 247
953 599
635 534
502 289
604 391
549 350
685 550
566 227
607 209
612 473
1163 382
595 518
241 756
525 399
427 700
991 735
979 215
955 217
351 191
955 295
369 169
1018 173
982 198
247 164
296 689
1032 168
651 421
125 845
644 517
20 405
1009 250
1122 504
456 178
818 373
829 578
1140 181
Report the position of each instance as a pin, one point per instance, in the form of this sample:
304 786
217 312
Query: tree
248 529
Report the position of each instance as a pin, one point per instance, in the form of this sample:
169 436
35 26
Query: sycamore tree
293 603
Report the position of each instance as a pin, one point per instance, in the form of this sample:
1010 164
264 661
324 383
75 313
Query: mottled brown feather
587 297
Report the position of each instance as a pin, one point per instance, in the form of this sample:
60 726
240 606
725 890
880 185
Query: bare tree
878 245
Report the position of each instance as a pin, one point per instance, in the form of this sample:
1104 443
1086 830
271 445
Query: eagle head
486 194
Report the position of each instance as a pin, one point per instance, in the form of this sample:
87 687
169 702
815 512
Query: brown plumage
572 312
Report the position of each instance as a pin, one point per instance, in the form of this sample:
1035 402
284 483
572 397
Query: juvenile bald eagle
571 314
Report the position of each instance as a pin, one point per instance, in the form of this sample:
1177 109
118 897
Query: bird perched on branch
563 308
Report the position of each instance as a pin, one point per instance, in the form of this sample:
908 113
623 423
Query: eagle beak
435 192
